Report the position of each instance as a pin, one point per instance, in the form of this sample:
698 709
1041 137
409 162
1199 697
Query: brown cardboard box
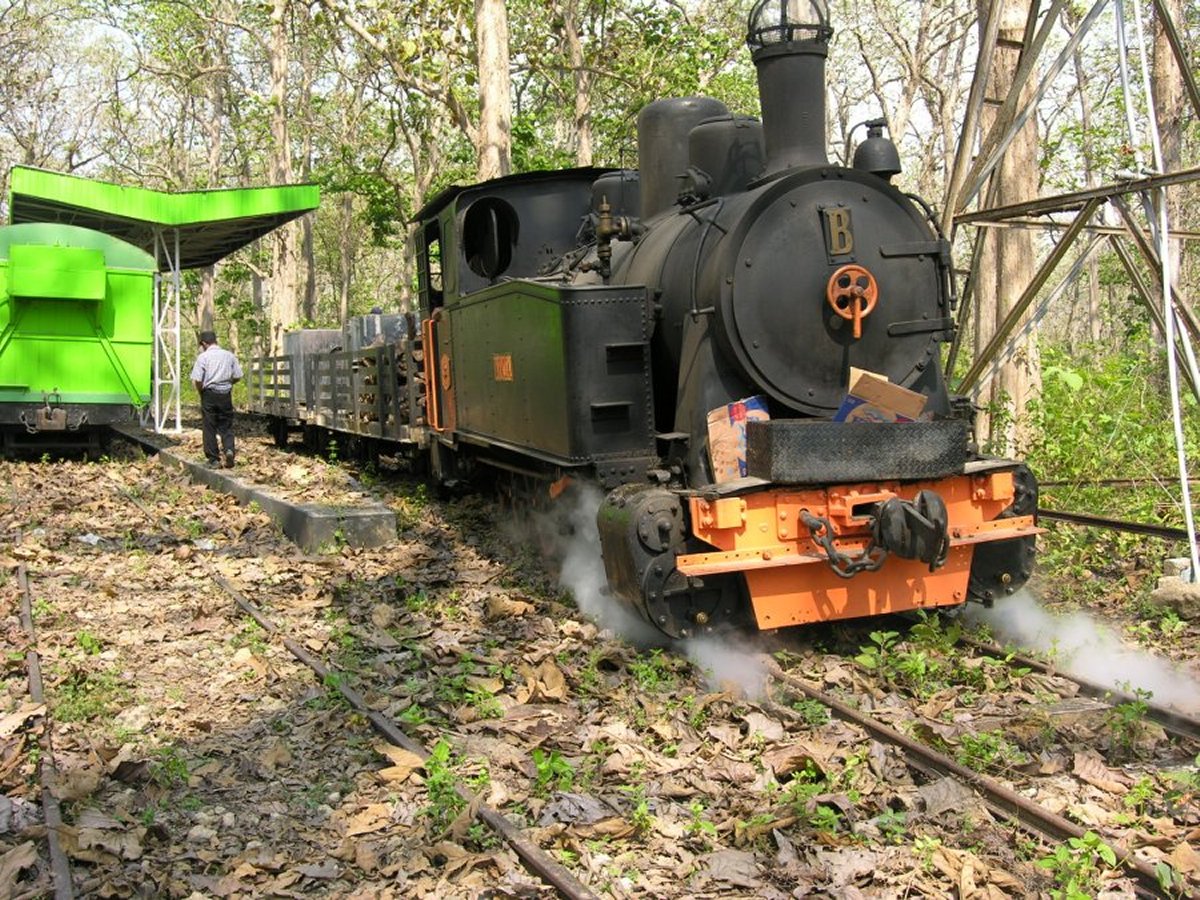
872 398
727 436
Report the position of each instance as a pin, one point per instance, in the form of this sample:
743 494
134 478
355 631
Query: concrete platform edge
312 527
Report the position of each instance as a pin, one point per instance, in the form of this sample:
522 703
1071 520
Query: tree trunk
215 90
285 269
494 145
1091 176
582 80
1006 264
1171 110
347 248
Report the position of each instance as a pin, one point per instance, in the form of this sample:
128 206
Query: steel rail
1147 481
1000 798
60 866
1160 531
529 853
1173 722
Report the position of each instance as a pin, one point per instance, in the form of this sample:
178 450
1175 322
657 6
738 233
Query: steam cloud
577 547
726 661
1079 645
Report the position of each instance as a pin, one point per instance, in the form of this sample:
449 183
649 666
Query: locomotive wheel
999 568
685 608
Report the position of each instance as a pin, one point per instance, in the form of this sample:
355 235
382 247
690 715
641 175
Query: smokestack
789 41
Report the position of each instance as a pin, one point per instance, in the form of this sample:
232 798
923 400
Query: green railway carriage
76 331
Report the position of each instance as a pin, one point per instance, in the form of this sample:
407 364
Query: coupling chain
844 565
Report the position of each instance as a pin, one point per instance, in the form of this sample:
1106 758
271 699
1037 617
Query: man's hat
208 337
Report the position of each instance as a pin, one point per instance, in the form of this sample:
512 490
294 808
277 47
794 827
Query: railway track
1000 798
60 865
682 771
534 858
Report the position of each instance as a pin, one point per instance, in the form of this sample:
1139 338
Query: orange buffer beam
762 536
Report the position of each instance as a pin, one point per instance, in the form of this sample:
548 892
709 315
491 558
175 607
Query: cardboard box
727 436
872 398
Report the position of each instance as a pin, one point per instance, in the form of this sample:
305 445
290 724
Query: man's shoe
229 460
213 464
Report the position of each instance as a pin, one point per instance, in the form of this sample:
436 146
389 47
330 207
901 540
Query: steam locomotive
595 325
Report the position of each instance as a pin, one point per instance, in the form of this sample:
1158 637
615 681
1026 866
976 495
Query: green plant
893 825
414 715
1185 785
653 672
1139 795
988 751
553 771
925 846
82 696
813 712
699 825
167 767
1127 723
441 787
639 815
88 642
252 636
331 451
875 658
1077 865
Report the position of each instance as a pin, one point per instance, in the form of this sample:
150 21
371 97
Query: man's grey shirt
216 369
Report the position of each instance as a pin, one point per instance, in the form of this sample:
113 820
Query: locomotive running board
769 557
763 536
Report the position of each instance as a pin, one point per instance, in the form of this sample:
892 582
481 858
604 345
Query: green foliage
251 635
168 768
875 658
813 712
988 751
639 814
699 825
1127 724
1077 866
441 787
88 642
83 696
554 772
653 672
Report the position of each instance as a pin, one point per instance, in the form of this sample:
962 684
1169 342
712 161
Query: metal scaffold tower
1138 197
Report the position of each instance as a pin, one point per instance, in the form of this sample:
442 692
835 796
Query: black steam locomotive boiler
589 324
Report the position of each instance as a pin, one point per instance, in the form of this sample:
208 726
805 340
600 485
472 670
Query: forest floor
197 758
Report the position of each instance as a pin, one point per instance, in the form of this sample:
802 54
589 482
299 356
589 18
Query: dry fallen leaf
1091 768
12 863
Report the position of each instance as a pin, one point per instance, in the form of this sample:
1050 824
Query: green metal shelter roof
210 224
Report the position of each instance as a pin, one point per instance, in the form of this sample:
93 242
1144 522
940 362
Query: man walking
214 375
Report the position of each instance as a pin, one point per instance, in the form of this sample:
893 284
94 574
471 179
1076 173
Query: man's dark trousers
217 409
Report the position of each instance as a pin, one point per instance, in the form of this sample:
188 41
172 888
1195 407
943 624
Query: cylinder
622 191
729 150
663 128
